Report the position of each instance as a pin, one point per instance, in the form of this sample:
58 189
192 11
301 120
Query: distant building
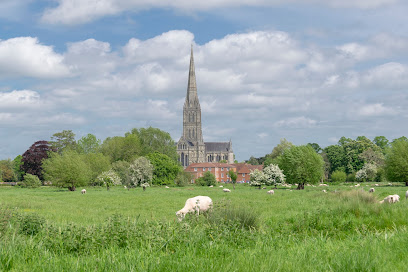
191 147
220 170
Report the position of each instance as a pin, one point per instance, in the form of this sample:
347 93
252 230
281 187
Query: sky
304 70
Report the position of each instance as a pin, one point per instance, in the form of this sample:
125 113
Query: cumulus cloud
377 109
297 122
82 11
25 56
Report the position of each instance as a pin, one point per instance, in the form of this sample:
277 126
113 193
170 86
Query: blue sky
304 70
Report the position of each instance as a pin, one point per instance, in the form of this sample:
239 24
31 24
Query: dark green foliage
165 169
7 173
253 161
396 162
316 147
97 163
30 181
233 176
336 157
301 164
122 148
17 163
30 224
122 169
183 178
338 176
155 140
351 177
207 179
381 142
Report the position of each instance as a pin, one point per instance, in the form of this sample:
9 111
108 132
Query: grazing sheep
389 184
167 187
211 186
83 191
406 195
390 199
221 186
125 187
271 192
376 185
195 205
226 190
263 188
372 190
324 191
323 184
357 185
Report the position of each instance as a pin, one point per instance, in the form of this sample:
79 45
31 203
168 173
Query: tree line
141 157
357 159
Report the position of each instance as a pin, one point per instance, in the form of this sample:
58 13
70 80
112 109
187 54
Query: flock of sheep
204 203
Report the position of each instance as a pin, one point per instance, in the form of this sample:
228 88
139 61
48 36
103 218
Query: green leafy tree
97 163
17 163
277 151
183 178
336 157
122 148
301 164
140 172
207 179
155 140
316 147
31 181
371 156
165 169
68 170
233 177
367 173
396 162
63 140
253 161
122 169
338 176
88 144
382 142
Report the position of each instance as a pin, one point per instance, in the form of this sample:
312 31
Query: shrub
108 179
338 176
30 224
183 178
206 180
31 181
351 177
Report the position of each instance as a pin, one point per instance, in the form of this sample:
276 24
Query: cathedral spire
192 85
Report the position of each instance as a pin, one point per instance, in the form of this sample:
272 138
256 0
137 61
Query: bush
380 177
31 181
30 224
338 176
183 178
351 177
206 180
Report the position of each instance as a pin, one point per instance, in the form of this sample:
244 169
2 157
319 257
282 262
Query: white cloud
297 122
25 56
19 99
374 110
82 11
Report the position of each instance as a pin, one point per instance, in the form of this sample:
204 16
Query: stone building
191 147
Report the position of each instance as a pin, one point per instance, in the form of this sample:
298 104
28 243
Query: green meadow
345 229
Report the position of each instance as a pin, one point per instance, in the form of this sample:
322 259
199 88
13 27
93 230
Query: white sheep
195 205
372 190
406 195
83 191
167 187
324 191
263 188
211 186
376 185
221 186
226 190
323 184
125 187
271 192
390 199
357 185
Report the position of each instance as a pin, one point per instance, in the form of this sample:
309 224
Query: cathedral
191 147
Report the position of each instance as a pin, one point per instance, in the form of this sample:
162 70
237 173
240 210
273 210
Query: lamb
195 205
83 191
226 190
271 192
372 190
406 195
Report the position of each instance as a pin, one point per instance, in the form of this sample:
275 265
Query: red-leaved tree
33 157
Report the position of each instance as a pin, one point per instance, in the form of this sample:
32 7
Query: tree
17 163
233 177
68 170
140 172
7 171
336 157
367 173
207 179
273 175
31 181
257 178
97 163
253 161
32 159
122 169
396 162
371 156
277 151
109 178
155 140
165 169
63 140
381 142
301 164
183 178
88 144
316 147
122 148
338 176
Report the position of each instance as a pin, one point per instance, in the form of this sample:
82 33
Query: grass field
50 229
